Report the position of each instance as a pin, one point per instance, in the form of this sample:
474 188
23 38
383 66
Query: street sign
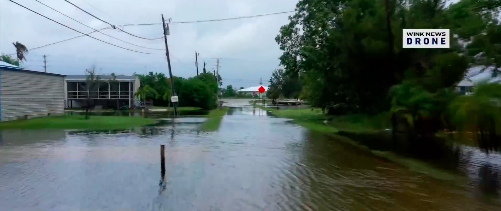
261 90
174 99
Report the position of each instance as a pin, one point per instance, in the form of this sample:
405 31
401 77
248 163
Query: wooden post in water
162 160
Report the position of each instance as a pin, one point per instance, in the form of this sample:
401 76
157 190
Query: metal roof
465 82
253 89
5 65
481 73
105 77
9 67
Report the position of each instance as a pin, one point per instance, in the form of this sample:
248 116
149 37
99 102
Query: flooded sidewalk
253 162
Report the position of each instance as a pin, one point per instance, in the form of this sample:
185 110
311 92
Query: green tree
339 49
145 91
9 59
229 91
196 92
275 87
480 114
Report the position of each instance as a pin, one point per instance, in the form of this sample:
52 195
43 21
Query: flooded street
253 162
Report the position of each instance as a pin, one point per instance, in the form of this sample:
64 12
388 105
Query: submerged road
253 162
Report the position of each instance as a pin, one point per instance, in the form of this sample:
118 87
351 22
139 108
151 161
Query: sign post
174 99
261 91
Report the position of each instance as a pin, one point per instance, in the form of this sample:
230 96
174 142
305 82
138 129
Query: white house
475 75
253 90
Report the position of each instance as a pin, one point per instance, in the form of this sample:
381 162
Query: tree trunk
87 108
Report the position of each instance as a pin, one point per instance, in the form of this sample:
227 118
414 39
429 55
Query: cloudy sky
247 46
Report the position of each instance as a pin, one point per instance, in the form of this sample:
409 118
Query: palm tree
21 51
166 97
145 91
480 114
412 101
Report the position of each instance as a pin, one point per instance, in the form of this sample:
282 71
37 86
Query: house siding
25 94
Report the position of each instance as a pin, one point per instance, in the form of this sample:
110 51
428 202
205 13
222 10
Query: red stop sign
261 90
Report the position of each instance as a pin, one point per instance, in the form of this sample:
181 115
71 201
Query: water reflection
162 183
232 110
489 179
146 114
15 137
251 163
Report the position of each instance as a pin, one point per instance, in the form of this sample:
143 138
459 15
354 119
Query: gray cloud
246 46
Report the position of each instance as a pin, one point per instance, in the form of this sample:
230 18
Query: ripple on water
252 163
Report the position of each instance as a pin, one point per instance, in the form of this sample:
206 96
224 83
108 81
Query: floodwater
253 162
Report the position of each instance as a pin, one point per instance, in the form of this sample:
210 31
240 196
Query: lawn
77 122
313 119
214 119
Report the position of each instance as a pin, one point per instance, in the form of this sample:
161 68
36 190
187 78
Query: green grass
313 119
419 166
360 123
214 119
77 122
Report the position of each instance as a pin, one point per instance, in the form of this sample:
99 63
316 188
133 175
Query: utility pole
217 79
45 63
196 60
173 92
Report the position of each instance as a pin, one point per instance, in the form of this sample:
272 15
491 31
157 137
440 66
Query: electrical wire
95 30
98 9
101 30
76 30
113 26
262 15
63 40
211 20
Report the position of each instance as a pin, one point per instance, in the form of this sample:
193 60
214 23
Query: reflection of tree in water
152 130
488 179
1 137
89 132
172 142
230 111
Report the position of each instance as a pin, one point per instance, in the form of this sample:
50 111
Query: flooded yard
253 162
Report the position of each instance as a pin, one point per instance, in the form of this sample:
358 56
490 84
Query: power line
211 20
98 9
95 30
43 46
235 18
76 30
113 26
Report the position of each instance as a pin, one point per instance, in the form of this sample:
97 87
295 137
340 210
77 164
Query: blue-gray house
28 94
